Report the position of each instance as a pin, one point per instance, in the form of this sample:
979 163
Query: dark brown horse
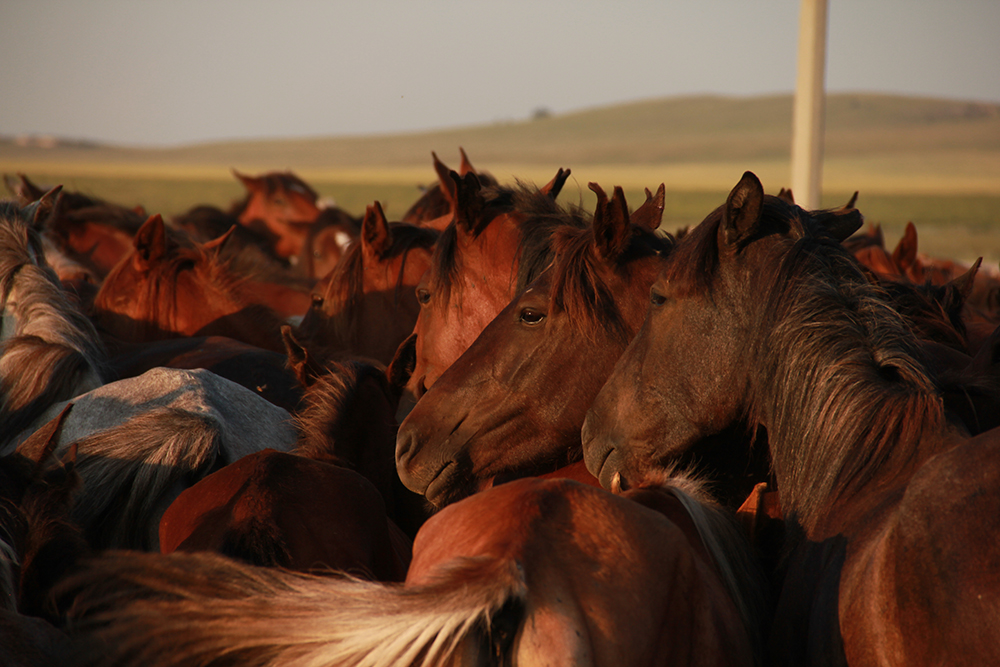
366 305
514 402
531 572
892 511
498 242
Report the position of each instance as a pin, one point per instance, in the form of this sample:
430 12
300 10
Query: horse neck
849 411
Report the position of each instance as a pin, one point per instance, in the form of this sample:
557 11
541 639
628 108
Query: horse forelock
330 407
579 286
842 385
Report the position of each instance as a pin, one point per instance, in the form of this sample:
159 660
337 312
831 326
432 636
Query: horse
366 305
280 206
496 245
49 350
91 232
38 544
330 505
142 440
891 509
514 401
329 237
165 290
530 572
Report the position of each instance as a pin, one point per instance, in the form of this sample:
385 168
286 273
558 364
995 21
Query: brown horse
891 510
165 290
514 402
90 231
280 206
366 304
531 572
498 243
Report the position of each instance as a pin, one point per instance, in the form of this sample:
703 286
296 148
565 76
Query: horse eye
657 299
423 296
317 300
531 316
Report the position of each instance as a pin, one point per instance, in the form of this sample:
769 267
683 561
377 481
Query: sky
174 72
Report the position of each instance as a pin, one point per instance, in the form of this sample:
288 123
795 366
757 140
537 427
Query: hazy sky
149 72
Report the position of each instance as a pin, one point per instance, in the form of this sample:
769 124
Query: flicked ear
905 254
466 166
445 181
299 359
401 367
741 215
650 214
555 186
249 182
612 229
151 240
39 211
216 244
42 443
841 223
376 237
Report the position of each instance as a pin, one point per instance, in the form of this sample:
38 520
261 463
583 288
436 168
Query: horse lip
608 468
442 478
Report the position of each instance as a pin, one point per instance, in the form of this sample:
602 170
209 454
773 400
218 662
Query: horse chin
448 486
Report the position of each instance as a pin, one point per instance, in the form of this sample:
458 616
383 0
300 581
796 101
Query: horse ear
785 194
555 186
42 443
216 244
376 236
468 200
151 240
650 214
249 182
39 211
465 167
964 283
445 182
299 361
905 254
401 367
840 223
27 191
741 215
612 229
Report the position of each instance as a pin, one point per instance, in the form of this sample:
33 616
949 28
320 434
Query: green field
933 162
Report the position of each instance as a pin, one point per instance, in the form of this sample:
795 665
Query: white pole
808 110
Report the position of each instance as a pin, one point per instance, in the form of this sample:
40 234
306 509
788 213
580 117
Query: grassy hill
933 161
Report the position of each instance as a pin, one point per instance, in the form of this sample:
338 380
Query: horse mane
345 292
331 413
539 215
577 285
202 608
54 347
842 380
726 542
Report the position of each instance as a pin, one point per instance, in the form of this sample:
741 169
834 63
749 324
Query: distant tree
540 113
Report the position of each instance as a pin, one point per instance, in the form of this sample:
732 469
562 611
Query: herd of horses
502 430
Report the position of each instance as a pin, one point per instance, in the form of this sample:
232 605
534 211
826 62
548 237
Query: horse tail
154 610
